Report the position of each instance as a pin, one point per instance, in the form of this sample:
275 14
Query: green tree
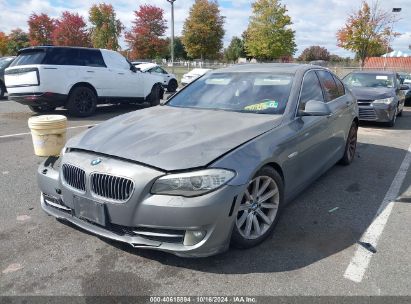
367 32
4 40
17 40
235 50
203 30
269 35
106 29
179 50
314 52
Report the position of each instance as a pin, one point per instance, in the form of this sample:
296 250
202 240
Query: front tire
155 94
391 123
350 146
82 102
259 209
2 90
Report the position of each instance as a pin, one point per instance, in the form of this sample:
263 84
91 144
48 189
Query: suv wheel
259 209
82 102
172 86
2 90
154 97
42 109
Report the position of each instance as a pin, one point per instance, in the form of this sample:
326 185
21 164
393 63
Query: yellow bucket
48 133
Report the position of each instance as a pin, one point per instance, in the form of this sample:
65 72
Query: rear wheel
350 146
42 109
172 86
154 97
259 209
82 102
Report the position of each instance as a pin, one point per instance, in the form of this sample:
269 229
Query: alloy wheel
352 142
84 101
258 208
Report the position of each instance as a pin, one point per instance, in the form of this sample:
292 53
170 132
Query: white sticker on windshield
382 77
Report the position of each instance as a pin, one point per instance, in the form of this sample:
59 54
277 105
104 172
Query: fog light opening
193 237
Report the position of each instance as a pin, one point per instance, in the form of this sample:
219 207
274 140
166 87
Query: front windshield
4 61
369 80
262 93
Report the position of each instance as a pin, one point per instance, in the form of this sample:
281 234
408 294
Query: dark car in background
378 95
406 80
4 63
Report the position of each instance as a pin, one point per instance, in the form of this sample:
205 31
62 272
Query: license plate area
90 210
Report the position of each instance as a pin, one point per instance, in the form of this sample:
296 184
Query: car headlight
192 183
384 100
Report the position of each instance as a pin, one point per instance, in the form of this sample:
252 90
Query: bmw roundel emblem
96 161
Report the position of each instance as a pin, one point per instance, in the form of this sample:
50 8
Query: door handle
90 71
120 73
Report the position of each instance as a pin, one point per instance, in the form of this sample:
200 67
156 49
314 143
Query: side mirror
404 87
315 108
133 68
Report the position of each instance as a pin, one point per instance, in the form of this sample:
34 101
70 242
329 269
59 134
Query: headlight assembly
386 101
192 183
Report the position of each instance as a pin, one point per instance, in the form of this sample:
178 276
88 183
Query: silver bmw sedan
213 166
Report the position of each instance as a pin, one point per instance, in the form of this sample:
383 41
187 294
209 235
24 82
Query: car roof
47 47
288 68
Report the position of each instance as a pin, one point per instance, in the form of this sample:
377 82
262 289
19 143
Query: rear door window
29 57
340 86
330 88
91 58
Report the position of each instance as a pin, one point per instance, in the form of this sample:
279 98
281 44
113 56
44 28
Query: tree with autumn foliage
367 32
106 29
145 39
314 52
4 40
203 30
18 39
71 30
40 29
269 35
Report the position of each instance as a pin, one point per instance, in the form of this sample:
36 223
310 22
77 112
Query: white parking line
362 257
27 133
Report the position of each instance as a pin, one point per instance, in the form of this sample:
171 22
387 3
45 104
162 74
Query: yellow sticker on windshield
267 104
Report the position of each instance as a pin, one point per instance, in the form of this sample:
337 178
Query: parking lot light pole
394 10
172 34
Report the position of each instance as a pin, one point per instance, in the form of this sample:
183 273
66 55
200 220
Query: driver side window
311 90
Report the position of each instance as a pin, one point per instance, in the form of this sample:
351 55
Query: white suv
78 79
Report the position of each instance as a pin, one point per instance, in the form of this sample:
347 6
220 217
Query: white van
48 77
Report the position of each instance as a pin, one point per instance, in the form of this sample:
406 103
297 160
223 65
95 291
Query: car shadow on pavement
325 219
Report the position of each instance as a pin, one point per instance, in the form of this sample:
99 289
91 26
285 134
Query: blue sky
315 21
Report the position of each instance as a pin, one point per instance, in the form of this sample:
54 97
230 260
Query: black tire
237 238
82 102
172 86
391 123
399 114
154 97
42 109
2 90
350 145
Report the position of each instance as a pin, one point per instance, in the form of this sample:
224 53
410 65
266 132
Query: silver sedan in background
214 166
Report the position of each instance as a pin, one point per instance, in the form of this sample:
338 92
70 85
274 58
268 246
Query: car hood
171 138
363 93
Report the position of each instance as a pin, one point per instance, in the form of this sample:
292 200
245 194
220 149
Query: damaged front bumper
185 226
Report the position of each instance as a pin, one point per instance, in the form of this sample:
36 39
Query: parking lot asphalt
309 253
